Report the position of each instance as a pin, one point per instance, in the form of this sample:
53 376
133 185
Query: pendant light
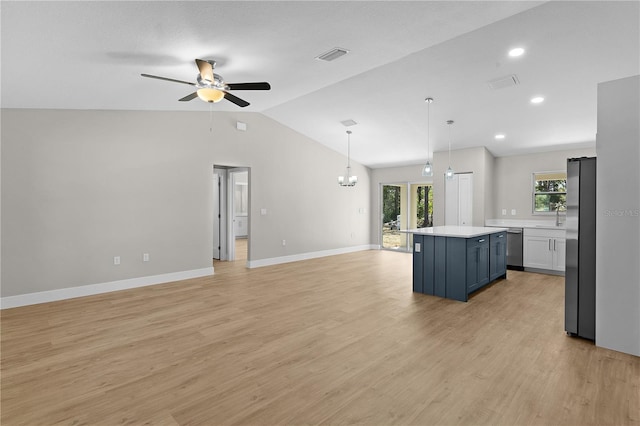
347 179
450 171
427 170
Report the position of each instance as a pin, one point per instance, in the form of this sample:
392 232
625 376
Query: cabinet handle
554 245
481 240
549 244
501 235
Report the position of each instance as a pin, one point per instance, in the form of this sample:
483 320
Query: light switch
417 247
504 212
513 212
263 212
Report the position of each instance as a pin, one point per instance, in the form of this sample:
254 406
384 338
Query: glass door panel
405 206
394 216
421 197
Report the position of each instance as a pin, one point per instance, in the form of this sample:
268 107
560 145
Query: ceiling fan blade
236 100
263 85
189 97
168 79
206 70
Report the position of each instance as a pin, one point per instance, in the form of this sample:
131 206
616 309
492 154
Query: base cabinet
454 267
544 249
477 263
498 254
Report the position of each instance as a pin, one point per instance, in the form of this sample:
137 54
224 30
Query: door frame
407 208
226 206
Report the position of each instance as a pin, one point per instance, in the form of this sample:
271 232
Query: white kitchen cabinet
560 251
544 249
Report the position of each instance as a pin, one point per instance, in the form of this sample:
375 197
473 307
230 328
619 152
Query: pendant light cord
210 116
349 149
449 122
429 100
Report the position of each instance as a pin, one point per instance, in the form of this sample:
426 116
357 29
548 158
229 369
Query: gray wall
617 219
475 160
513 180
80 187
501 182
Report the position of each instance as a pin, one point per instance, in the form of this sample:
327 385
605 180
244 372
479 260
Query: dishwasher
514 249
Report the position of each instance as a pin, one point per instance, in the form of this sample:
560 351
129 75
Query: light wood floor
337 340
241 249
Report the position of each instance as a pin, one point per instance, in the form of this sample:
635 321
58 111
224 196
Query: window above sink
549 192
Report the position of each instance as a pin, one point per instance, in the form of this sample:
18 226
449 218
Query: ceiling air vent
502 82
348 123
333 54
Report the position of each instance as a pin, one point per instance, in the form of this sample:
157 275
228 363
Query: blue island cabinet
454 267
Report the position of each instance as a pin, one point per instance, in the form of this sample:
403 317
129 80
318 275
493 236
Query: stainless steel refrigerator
580 273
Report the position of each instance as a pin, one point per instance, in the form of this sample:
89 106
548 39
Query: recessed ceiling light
537 100
499 136
518 51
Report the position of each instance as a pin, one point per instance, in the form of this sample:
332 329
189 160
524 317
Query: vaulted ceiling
89 55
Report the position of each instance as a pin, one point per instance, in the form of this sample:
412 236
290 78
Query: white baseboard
306 256
91 289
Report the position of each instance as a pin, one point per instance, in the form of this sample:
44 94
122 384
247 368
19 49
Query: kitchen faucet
558 206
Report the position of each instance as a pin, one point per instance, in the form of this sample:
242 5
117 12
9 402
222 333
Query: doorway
231 213
404 206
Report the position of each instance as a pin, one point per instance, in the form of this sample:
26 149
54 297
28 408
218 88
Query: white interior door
458 200
465 199
451 201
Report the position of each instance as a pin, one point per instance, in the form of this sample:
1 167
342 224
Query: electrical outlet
116 260
513 212
284 243
504 212
145 257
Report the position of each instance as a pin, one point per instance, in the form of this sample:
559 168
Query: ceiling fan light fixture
210 95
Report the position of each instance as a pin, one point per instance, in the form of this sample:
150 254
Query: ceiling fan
211 86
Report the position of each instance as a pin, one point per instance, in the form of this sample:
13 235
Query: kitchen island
454 261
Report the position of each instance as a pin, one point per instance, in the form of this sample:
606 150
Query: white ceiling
89 55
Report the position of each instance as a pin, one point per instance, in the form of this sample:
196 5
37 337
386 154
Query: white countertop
456 231
523 223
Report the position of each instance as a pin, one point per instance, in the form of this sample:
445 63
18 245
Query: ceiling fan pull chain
210 117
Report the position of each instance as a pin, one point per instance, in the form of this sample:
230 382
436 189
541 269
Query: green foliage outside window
550 192
391 202
425 201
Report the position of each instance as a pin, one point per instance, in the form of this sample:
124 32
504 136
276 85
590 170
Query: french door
404 206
